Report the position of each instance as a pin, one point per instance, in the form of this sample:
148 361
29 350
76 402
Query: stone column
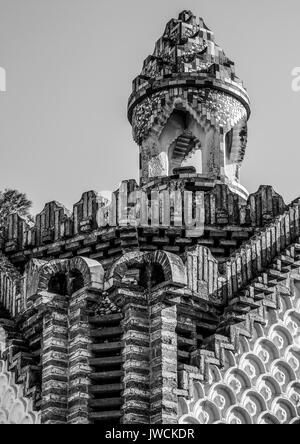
55 361
79 355
163 360
135 355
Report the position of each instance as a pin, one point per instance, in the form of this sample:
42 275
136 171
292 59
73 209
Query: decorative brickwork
177 300
252 378
163 355
225 222
15 408
188 98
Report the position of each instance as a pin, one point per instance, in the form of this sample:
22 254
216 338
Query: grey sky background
70 63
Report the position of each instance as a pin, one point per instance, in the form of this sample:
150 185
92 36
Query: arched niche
148 269
52 276
91 271
64 277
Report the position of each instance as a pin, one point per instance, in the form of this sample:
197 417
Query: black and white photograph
149 215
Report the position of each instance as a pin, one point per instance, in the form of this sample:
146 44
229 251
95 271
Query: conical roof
188 54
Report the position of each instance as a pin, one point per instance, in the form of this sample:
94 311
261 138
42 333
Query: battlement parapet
189 205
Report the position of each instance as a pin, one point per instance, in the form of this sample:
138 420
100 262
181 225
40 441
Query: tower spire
188 108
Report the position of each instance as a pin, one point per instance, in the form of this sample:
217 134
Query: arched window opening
228 143
157 275
175 126
76 281
193 160
58 284
152 275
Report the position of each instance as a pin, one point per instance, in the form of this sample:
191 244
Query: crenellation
211 212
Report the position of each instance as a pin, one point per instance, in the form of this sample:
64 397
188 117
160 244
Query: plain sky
70 63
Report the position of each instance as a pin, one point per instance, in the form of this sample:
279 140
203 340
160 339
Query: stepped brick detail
251 374
175 301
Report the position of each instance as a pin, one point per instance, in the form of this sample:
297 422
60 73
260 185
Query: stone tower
178 301
188 99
